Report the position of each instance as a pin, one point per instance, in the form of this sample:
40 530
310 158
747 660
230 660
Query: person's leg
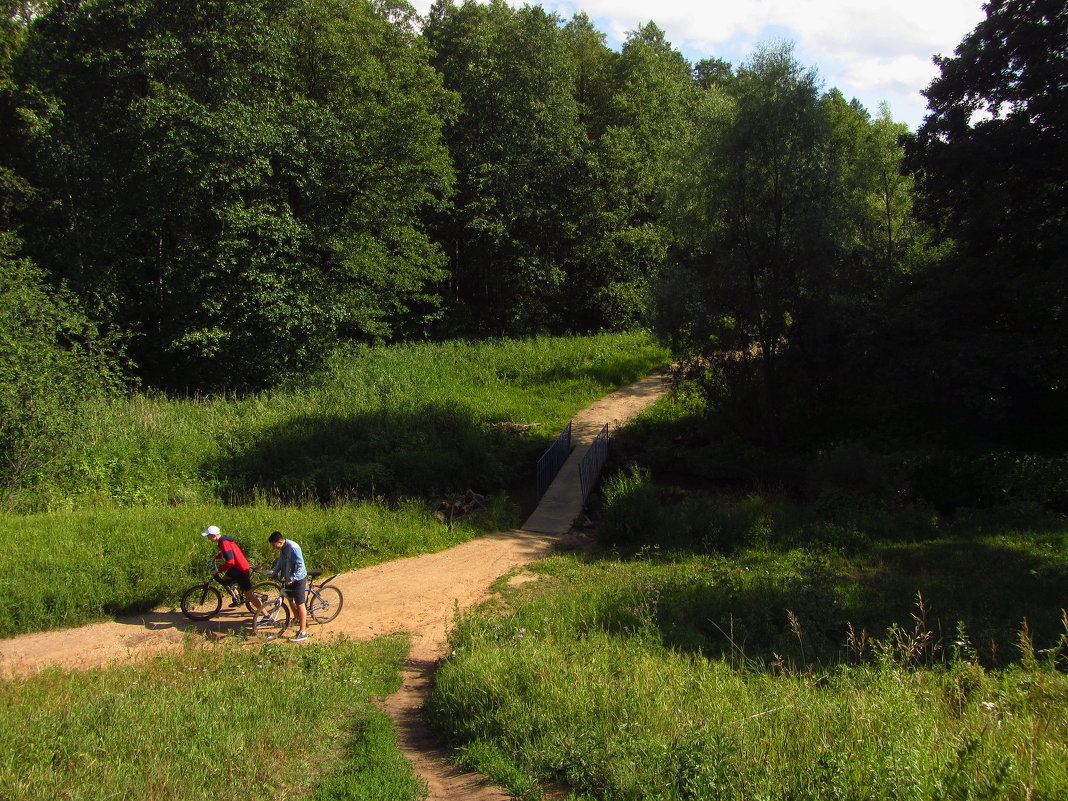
244 582
228 579
253 599
300 608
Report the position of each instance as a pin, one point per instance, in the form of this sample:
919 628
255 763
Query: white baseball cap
210 530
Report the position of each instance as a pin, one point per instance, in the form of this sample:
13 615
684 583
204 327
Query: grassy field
351 465
229 722
408 420
804 627
700 677
838 625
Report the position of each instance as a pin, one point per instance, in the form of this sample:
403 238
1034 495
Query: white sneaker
300 636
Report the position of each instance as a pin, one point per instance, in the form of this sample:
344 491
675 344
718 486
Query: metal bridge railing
593 462
552 460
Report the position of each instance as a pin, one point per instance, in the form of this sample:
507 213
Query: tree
594 73
766 226
710 72
991 163
625 240
989 155
519 152
15 15
790 223
238 185
51 363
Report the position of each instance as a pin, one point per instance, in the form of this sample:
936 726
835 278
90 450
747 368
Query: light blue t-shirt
289 566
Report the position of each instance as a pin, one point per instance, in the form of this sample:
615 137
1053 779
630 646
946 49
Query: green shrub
631 508
51 363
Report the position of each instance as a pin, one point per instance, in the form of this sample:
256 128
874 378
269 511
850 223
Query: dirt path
417 595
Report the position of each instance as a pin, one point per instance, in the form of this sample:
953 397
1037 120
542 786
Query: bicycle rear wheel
266 591
201 602
324 603
271 620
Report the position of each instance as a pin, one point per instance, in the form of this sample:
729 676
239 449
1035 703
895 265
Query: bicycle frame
196 604
320 609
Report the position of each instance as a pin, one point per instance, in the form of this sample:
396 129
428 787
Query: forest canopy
224 192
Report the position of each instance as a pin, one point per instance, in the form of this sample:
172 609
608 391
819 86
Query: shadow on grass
989 588
416 452
842 537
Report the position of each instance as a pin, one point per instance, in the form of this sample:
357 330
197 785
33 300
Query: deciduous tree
237 184
625 241
991 161
519 152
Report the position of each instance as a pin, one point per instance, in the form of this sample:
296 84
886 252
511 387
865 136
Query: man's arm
298 561
227 555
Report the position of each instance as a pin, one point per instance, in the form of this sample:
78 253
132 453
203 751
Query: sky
871 50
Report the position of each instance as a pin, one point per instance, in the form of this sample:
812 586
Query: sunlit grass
227 722
675 677
401 420
98 562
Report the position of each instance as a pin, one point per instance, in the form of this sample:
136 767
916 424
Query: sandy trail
418 595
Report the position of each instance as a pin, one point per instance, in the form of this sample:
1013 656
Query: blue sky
873 50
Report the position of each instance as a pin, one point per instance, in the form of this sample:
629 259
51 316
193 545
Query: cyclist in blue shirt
289 567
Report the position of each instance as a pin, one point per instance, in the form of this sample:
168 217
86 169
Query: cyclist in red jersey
234 566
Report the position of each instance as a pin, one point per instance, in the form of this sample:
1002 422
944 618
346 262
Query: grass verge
226 722
661 678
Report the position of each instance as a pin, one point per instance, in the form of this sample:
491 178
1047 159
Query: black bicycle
204 601
323 603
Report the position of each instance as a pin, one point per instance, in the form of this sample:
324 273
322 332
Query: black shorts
295 591
242 577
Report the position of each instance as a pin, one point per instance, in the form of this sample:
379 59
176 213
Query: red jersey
232 556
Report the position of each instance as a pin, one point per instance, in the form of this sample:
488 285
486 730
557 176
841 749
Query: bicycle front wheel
267 592
201 602
271 620
324 603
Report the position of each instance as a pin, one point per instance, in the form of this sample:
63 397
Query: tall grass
834 625
846 623
599 675
227 722
401 420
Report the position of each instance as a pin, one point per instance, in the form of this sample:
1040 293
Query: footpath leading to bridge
417 595
499 554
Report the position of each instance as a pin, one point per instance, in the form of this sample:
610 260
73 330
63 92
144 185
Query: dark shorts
295 591
242 577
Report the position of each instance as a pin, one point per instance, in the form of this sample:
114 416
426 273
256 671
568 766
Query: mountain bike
204 601
323 603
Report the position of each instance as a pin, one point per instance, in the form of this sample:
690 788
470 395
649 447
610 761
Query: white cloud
873 50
